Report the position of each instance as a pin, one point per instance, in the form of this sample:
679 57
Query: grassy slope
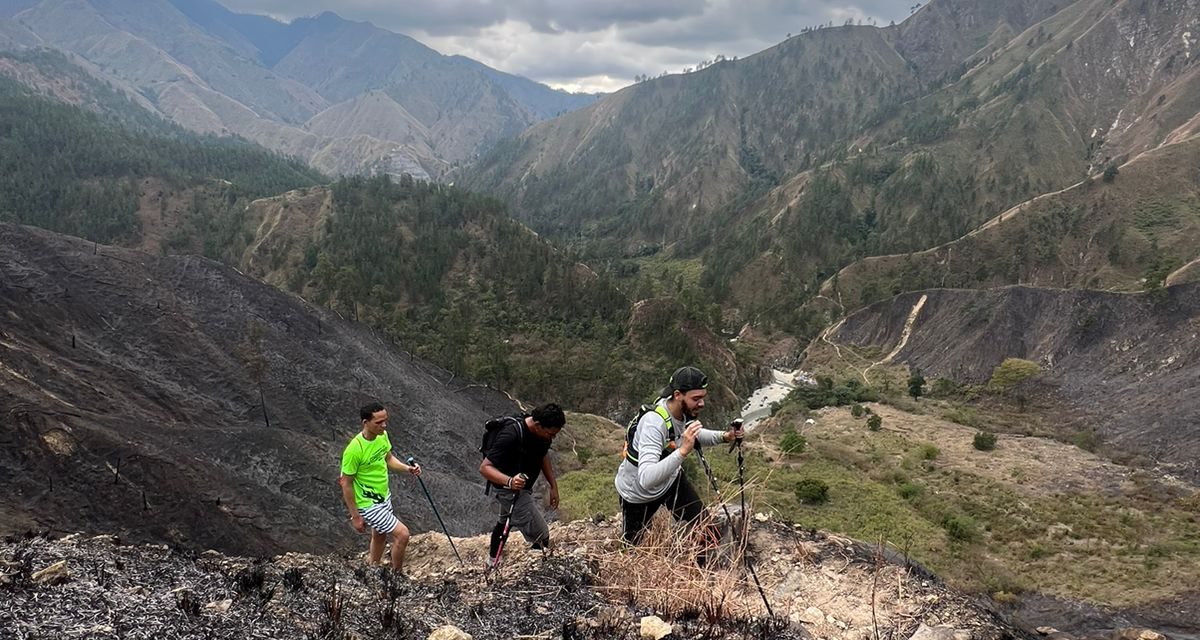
1048 516
1034 514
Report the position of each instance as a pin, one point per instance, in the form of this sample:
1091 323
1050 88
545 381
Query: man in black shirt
512 463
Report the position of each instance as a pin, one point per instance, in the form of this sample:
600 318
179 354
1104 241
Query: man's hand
736 432
356 521
689 437
414 469
518 482
554 496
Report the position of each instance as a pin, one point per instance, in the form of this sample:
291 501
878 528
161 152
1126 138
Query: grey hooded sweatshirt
654 473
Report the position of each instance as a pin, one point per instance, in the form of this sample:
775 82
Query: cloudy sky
592 45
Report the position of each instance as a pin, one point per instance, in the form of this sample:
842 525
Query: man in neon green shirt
365 465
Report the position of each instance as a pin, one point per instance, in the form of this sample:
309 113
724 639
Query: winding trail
1178 273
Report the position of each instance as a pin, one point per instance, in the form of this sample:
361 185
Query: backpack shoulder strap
666 416
519 421
630 451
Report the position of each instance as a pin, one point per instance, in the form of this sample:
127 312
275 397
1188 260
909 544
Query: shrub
857 410
826 394
874 423
945 388
1012 372
909 490
928 452
1086 440
985 441
964 416
961 527
792 443
916 385
1005 597
812 491
1111 172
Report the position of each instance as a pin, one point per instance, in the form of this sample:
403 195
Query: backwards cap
685 379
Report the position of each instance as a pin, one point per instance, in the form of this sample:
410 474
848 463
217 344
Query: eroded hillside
1124 365
175 399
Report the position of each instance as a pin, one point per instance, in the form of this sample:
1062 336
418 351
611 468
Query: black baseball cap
685 379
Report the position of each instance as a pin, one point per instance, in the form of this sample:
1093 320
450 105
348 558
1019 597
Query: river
758 406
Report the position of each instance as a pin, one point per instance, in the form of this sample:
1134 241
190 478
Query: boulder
1138 634
926 632
56 573
654 628
220 606
449 632
812 615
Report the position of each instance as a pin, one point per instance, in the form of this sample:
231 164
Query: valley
946 270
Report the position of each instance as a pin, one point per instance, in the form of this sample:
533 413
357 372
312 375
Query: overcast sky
591 45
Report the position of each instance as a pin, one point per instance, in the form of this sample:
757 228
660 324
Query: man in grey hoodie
651 473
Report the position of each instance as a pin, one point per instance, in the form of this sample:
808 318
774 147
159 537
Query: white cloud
591 45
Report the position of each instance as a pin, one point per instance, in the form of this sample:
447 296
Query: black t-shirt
513 453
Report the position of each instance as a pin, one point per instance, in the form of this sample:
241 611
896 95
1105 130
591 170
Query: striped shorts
380 516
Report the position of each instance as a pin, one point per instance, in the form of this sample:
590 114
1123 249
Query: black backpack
491 429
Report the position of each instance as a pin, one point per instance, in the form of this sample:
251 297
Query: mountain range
347 97
843 143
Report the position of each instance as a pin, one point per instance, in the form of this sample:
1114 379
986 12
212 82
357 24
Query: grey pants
525 517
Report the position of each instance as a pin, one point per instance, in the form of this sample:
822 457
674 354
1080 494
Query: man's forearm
348 495
394 464
548 472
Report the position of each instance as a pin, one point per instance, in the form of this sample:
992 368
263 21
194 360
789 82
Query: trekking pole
745 558
503 538
411 460
737 444
504 533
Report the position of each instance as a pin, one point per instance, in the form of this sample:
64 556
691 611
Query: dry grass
680 570
663 573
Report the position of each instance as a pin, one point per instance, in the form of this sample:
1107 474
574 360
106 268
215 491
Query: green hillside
76 171
777 170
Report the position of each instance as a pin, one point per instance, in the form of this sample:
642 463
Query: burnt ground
130 404
1174 617
154 591
1125 365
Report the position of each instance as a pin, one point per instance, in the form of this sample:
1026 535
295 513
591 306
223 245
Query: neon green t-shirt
366 460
